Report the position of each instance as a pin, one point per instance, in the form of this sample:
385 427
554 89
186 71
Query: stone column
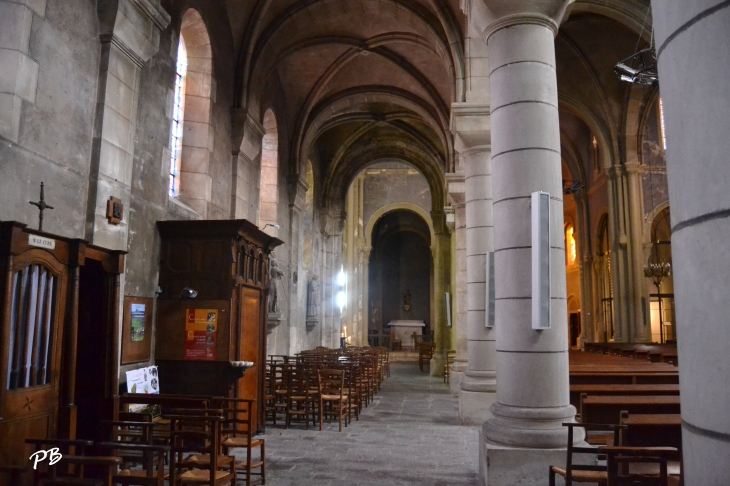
479 385
130 36
585 259
440 256
639 328
19 76
296 191
470 123
693 40
456 187
334 223
246 137
532 386
364 286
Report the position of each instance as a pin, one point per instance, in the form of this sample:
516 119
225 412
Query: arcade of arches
393 146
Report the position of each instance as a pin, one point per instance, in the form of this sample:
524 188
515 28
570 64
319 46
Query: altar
404 331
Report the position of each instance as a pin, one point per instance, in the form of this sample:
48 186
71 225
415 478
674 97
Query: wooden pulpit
212 309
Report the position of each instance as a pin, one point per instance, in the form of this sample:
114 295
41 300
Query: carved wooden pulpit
212 311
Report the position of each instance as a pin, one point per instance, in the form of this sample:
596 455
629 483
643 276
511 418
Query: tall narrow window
178 109
570 245
269 197
661 124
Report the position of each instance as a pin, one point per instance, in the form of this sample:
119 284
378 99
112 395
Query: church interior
505 212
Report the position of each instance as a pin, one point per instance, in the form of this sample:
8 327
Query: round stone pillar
478 386
532 385
693 42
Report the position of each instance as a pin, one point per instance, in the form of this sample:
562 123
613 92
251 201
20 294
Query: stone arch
195 186
607 142
336 182
377 215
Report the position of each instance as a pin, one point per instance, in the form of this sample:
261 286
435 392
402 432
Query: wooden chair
299 397
331 393
151 458
574 473
237 432
66 447
425 353
75 471
396 344
620 459
195 456
450 356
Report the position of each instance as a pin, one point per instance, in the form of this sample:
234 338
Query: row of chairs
324 383
619 465
187 446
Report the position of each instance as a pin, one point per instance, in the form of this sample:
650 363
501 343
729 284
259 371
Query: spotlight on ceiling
188 293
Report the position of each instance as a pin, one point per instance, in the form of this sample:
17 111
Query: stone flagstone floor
410 435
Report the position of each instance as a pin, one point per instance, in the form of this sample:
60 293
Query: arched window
178 110
662 297
662 133
570 246
269 196
191 141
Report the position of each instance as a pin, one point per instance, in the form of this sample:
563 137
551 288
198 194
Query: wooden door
32 334
249 349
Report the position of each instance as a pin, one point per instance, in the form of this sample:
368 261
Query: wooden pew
607 409
577 390
623 378
652 430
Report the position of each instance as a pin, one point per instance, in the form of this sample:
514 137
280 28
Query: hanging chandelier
657 271
641 67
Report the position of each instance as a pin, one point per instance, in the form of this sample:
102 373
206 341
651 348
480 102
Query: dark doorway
93 345
574 320
400 271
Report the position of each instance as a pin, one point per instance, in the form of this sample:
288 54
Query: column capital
456 188
471 125
489 16
439 222
635 168
134 26
296 189
246 134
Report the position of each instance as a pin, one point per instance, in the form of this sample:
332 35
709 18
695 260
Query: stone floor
410 435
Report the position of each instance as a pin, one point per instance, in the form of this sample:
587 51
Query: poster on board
143 380
201 326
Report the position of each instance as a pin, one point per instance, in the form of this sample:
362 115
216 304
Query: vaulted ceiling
362 79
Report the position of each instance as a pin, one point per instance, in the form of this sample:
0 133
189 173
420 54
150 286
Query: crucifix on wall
42 206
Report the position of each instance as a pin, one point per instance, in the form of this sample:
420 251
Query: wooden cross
42 206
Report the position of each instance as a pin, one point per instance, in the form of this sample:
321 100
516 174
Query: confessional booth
59 306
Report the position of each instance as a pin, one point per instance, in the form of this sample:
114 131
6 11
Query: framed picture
137 329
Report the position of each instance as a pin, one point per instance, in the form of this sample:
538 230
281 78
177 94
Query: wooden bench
623 378
577 390
607 409
652 430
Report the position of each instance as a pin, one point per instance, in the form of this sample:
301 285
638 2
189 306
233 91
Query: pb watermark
52 455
